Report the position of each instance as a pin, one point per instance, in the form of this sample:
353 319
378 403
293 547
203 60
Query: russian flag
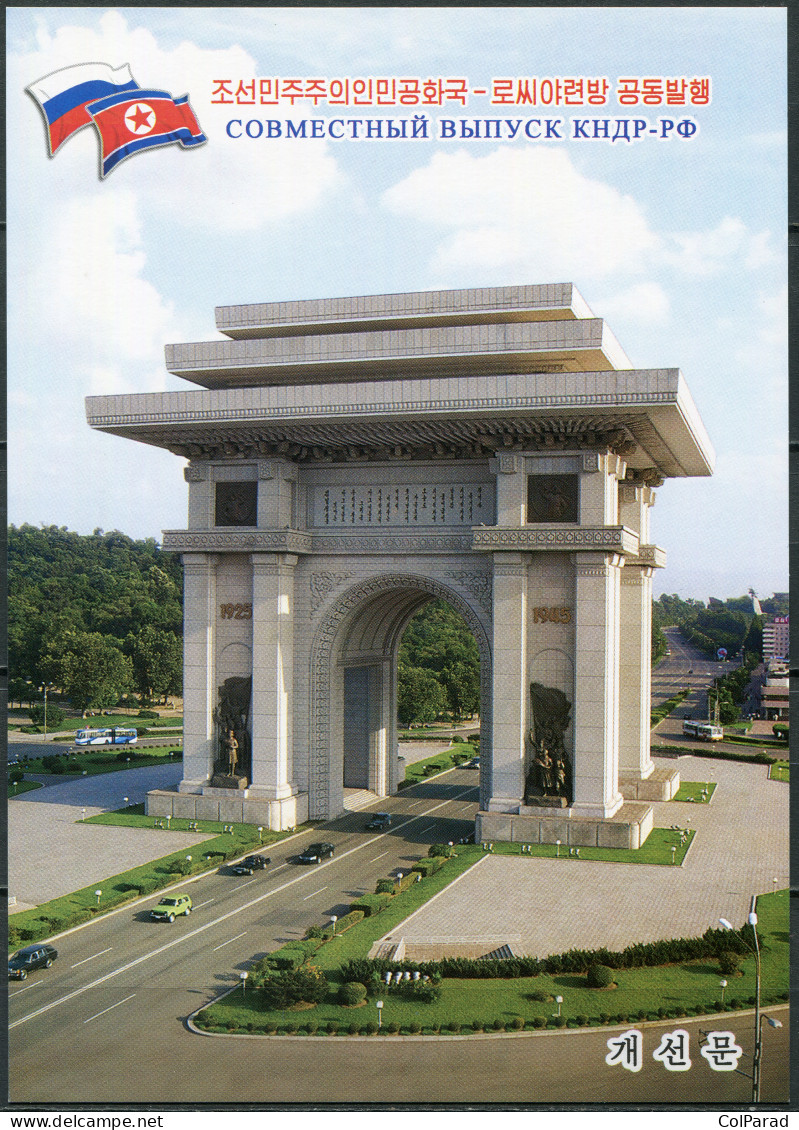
131 122
64 95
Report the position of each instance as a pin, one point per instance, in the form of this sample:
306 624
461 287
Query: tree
420 696
89 668
157 658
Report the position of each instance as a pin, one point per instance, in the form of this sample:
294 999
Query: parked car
251 863
379 821
472 763
39 956
315 853
170 907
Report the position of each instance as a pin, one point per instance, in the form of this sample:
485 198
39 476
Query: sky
679 242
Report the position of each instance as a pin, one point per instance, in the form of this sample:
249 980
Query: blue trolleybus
114 735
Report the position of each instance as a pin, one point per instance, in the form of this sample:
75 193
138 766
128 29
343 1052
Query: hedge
710 945
371 904
429 866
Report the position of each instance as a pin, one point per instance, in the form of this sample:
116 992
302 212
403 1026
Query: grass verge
474 1005
16 789
695 792
439 763
780 771
90 764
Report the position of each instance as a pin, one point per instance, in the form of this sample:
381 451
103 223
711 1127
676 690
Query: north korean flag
131 122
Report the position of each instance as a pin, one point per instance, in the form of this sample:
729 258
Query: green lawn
655 849
420 770
23 787
780 771
640 994
101 722
695 792
108 760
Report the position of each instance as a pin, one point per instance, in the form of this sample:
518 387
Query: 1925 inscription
235 611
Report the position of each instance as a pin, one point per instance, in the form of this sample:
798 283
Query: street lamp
379 1007
557 849
83 814
97 896
558 1002
260 833
126 800
333 921
243 975
723 988
756 1059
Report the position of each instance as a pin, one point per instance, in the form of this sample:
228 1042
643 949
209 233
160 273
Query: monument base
229 806
661 784
225 781
627 828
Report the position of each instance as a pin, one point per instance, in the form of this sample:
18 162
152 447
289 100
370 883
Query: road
108 1022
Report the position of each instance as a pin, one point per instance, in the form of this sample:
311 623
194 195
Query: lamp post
557 849
558 1002
97 895
126 800
260 833
333 921
379 1007
243 975
723 989
757 1057
83 815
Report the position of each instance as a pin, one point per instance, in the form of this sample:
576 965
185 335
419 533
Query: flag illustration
64 95
130 122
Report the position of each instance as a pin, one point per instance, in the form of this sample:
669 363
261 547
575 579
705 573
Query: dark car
315 853
472 763
251 863
40 956
379 821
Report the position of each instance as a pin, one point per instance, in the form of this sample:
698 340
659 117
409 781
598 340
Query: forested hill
97 599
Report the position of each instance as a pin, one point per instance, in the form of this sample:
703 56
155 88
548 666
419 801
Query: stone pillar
272 674
510 690
276 479
511 489
635 661
596 689
199 676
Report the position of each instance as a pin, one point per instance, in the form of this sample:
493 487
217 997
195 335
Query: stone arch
235 660
349 606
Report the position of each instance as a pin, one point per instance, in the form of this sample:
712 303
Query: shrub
393 1027
311 1027
581 1020
371 904
517 1023
431 770
558 1021
352 993
332 1028
539 1021
540 995
55 715
16 775
314 932
386 887
414 1027
498 1025
290 986
457 739
443 850
730 963
454 1026
148 714
371 1028
478 1025
427 867
422 992
599 977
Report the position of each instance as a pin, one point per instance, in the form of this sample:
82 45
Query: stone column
635 662
199 676
510 692
272 674
596 689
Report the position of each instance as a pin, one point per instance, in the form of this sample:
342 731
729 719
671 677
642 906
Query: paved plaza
52 853
544 906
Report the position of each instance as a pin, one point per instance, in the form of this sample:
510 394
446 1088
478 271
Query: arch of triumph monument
349 460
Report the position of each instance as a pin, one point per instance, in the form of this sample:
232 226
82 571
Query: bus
704 731
115 735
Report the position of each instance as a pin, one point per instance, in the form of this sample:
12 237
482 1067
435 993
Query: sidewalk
544 906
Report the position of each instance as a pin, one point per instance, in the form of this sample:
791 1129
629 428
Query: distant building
776 638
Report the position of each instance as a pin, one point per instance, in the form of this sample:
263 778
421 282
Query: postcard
398 583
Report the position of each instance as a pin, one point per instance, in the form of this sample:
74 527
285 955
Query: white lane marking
416 804
105 1010
280 866
240 885
197 905
306 897
426 830
215 922
227 943
378 857
94 955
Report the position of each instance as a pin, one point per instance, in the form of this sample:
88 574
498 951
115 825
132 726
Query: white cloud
532 212
642 302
